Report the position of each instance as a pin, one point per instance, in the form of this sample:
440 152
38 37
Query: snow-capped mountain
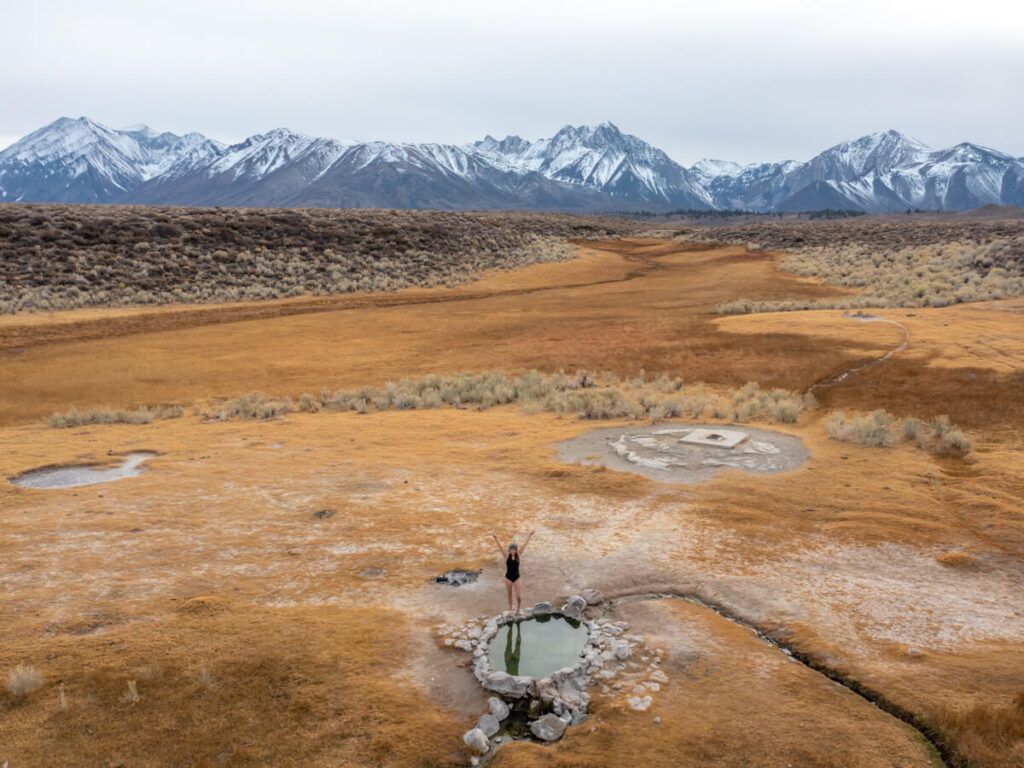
84 162
881 172
601 158
579 168
707 169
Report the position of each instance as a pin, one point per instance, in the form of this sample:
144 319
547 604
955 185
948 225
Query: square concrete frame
718 438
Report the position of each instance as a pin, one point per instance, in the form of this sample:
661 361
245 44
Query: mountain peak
710 168
581 166
510 145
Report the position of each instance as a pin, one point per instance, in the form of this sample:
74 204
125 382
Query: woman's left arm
527 542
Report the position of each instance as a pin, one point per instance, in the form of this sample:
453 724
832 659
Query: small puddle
77 475
537 647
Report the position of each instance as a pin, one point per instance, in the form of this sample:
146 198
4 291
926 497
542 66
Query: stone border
554 702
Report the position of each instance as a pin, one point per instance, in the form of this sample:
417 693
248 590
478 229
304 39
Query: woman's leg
508 590
519 597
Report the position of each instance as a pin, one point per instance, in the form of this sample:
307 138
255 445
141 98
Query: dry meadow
203 613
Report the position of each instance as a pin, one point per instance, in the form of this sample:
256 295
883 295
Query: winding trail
929 735
842 376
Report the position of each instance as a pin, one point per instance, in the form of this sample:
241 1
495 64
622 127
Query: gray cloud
744 81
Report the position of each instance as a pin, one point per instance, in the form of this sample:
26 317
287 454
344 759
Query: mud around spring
659 453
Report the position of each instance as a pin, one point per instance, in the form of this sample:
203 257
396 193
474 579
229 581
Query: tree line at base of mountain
726 214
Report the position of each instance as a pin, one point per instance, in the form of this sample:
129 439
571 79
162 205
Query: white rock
507 685
498 707
548 728
488 724
476 739
658 676
640 703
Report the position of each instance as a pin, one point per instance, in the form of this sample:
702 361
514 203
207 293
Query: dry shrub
23 681
68 256
877 428
893 262
880 428
143 415
585 394
255 407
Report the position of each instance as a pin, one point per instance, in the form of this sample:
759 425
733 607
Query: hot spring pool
537 647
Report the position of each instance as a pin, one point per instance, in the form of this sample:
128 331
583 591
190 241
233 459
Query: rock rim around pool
560 695
685 453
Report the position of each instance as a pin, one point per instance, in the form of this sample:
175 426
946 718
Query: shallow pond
76 475
537 647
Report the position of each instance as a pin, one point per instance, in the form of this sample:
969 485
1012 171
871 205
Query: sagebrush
881 428
143 415
68 256
891 262
586 395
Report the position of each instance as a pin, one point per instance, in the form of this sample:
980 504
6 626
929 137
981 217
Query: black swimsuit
512 568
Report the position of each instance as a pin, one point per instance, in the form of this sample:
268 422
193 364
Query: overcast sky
767 80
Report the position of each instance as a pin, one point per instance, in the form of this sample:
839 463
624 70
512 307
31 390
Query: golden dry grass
650 308
313 634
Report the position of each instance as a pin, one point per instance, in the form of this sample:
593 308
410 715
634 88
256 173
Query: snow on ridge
878 171
712 168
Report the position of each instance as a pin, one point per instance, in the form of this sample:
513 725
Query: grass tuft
24 680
